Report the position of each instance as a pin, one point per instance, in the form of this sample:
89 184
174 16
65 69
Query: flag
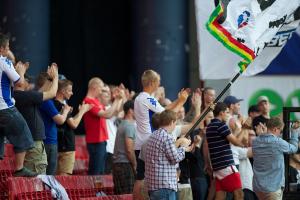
245 28
287 61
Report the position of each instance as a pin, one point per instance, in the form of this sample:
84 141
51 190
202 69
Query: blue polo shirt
48 111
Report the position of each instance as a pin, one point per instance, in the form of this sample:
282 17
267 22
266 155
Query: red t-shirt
95 126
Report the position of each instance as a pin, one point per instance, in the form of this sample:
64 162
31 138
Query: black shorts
140 168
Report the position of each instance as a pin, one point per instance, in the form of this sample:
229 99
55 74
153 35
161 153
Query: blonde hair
149 76
94 81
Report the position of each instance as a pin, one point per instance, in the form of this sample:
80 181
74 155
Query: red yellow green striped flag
248 25
221 34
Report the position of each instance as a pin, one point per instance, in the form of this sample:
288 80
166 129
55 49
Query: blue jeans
51 151
199 188
162 194
97 153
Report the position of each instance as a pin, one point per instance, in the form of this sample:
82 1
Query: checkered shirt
161 160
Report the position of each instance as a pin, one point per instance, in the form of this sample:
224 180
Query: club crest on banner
243 19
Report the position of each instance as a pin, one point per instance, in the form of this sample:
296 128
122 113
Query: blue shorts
16 130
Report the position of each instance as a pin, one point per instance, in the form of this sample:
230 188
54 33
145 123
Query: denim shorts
51 151
162 194
15 128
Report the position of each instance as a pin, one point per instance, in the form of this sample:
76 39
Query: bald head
95 82
95 87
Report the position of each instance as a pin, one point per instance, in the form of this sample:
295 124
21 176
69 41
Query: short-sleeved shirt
144 107
218 145
8 76
95 126
125 130
112 132
28 103
48 111
65 134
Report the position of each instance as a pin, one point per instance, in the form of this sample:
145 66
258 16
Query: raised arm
53 73
180 101
21 69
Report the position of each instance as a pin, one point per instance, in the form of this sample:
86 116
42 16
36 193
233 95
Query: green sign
276 101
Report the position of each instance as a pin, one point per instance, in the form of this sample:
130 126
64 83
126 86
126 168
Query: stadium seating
111 197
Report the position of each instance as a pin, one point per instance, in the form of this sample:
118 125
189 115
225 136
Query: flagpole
203 115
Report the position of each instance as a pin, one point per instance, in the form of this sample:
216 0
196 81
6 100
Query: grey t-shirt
125 130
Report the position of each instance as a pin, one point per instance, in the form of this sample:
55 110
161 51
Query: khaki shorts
36 158
185 193
277 195
65 162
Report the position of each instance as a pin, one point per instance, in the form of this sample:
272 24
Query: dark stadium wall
114 40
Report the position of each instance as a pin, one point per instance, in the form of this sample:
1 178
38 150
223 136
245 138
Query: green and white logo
276 101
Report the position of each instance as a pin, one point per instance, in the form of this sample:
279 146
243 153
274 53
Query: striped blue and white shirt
8 76
219 147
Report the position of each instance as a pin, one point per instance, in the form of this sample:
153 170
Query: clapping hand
260 128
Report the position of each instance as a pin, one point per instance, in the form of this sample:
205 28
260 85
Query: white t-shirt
145 106
176 132
8 76
112 132
245 169
235 152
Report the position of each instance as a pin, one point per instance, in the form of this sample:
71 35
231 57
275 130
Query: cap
61 77
231 100
262 98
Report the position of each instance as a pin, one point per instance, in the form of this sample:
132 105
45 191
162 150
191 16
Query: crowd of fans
142 138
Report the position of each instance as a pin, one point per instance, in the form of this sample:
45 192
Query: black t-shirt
196 160
65 135
193 164
184 171
28 102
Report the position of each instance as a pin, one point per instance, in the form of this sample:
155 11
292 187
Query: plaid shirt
160 162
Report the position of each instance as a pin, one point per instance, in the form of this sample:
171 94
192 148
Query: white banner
281 90
216 62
